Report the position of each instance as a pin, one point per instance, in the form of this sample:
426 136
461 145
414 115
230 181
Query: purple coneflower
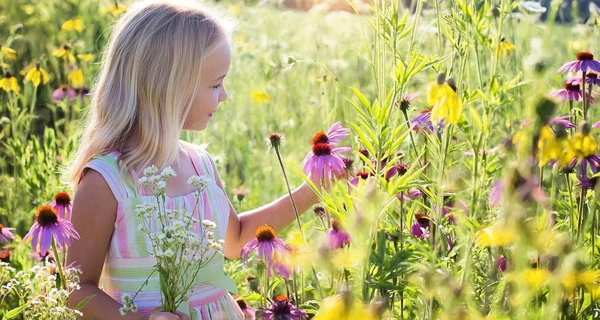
501 263
406 99
323 161
450 206
423 122
591 78
359 176
49 226
593 162
410 195
337 133
420 229
246 309
62 204
64 91
5 234
267 243
571 91
564 121
281 309
585 62
336 236
333 135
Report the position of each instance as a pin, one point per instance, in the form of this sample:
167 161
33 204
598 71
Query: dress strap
199 160
107 166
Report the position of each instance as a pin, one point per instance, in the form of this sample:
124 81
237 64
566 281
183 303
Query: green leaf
15 312
84 302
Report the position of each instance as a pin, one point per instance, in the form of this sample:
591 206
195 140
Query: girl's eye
217 86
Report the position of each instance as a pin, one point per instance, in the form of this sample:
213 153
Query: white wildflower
168 172
150 171
208 223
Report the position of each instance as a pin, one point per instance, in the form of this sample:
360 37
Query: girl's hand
159 315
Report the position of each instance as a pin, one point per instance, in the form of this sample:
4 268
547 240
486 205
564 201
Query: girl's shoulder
107 166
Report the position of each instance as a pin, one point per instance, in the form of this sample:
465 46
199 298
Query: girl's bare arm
278 214
93 216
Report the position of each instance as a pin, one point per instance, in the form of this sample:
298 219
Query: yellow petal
14 85
34 76
495 237
76 78
44 76
59 52
261 96
9 53
29 74
86 56
71 24
4 84
536 277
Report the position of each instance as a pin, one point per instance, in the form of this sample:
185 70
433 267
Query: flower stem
59 265
583 99
571 203
287 184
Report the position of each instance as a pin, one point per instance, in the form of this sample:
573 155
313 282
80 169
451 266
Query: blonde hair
151 69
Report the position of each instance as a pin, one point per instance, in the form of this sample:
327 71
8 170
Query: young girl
163 73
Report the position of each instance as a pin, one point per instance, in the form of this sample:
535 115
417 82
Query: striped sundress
128 262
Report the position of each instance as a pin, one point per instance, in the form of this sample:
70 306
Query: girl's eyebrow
221 77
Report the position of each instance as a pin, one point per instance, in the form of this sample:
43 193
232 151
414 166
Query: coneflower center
282 298
363 175
62 199
242 304
1 226
46 215
265 234
592 75
570 86
320 137
584 55
8 74
336 225
422 219
321 149
402 169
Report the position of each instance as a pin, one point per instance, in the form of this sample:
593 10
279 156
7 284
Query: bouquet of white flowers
180 250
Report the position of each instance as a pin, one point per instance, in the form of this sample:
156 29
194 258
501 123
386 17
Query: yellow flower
37 74
76 78
64 52
235 9
549 148
115 9
505 47
445 103
495 237
582 145
9 83
334 307
261 97
86 56
536 277
8 53
28 9
73 24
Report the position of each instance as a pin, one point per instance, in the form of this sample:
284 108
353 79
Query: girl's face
211 91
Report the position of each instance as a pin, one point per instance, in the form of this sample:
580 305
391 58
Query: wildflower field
467 156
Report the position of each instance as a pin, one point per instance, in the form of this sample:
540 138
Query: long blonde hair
151 69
